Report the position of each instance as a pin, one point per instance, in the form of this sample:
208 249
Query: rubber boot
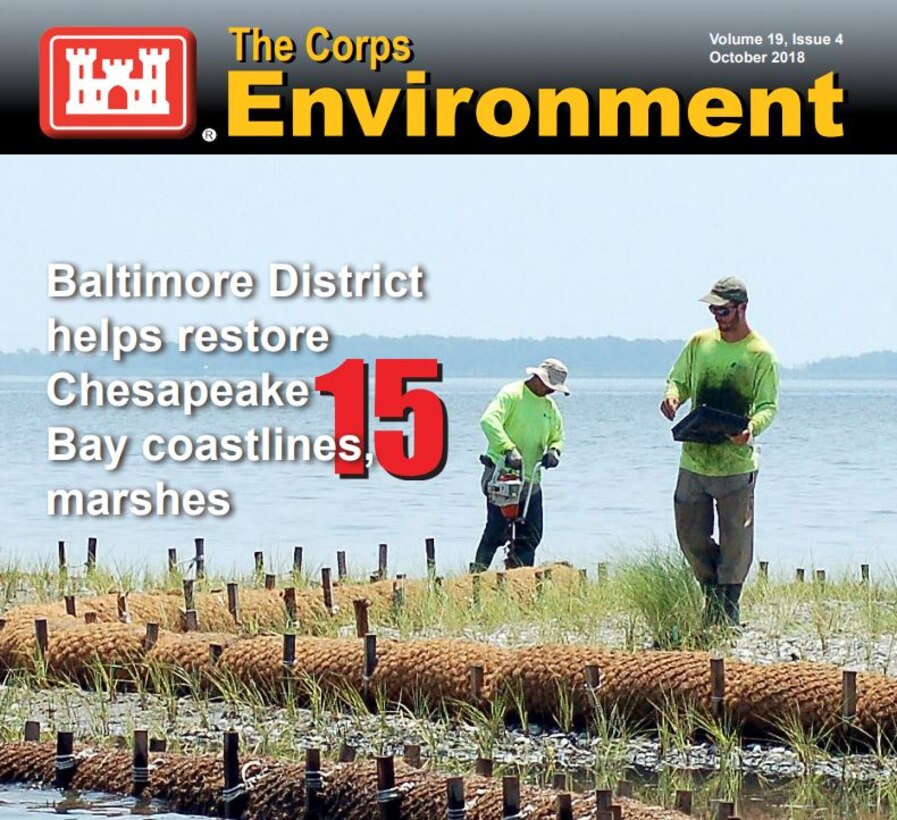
731 595
714 606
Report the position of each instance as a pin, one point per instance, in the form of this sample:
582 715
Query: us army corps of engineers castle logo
117 82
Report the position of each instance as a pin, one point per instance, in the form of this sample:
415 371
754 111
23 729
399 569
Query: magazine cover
477 411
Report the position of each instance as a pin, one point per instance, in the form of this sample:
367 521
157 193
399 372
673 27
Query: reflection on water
825 496
20 803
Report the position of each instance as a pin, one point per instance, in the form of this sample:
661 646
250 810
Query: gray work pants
728 561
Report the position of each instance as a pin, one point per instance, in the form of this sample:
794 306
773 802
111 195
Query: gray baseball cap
727 289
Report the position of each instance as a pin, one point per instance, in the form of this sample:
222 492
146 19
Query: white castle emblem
117 92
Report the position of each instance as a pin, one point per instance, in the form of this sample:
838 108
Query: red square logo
117 82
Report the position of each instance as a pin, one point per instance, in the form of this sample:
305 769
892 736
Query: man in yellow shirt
524 429
728 367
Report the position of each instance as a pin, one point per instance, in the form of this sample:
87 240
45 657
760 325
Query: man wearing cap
524 429
728 367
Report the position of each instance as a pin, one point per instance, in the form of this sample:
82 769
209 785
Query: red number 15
420 456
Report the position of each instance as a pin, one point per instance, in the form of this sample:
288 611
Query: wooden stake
848 695
717 684
61 547
189 597
65 759
158 744
602 573
564 806
604 798
346 753
151 637
70 606
764 570
199 545
270 581
370 655
233 601
411 753
341 571
624 788
42 634
215 650
799 575
140 766
454 794
389 797
259 562
398 594
32 731
91 554
683 801
510 795
90 617
864 573
724 809
593 676
820 576
234 795
475 676
297 561
172 559
430 550
314 784
191 620
289 602
381 562
362 627
484 766
327 587
121 605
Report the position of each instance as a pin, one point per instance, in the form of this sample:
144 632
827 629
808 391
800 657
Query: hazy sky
512 246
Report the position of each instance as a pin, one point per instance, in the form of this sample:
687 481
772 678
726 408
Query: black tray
708 425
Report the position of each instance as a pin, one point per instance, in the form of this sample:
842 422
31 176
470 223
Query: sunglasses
722 311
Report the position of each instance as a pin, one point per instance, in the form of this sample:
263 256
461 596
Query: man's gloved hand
513 459
551 459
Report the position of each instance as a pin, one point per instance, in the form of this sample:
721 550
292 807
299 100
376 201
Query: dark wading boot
731 595
714 605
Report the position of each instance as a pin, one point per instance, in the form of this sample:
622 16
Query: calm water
825 497
21 803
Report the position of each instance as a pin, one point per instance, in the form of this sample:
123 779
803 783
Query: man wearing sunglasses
729 367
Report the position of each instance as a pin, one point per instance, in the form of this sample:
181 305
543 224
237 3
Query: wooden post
799 575
484 766
65 759
764 570
389 797
381 562
158 744
362 627
346 753
42 634
121 605
289 651
475 676
172 559
289 602
341 571
297 561
199 545
259 562
398 594
683 801
583 578
91 554
61 546
604 799
70 606
191 620
189 597
270 581
717 685
370 655
864 573
215 650
564 806
430 550
848 695
151 637
327 587
140 767
602 573
454 794
475 586
90 617
411 753
724 809
314 784
820 576
510 795
624 788
234 795
233 601
32 731
593 676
